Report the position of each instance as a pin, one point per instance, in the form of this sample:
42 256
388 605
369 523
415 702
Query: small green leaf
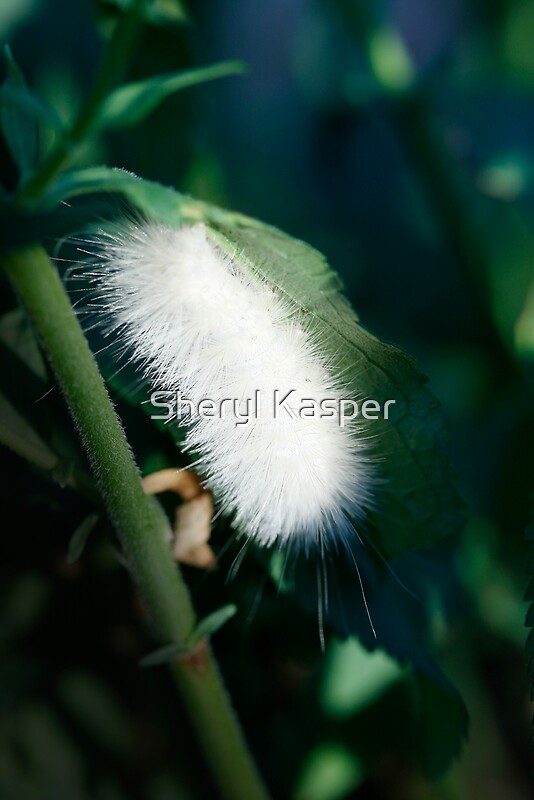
131 103
206 627
162 655
210 624
79 538
18 126
153 199
92 180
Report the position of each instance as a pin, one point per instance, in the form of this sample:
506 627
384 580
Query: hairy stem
140 523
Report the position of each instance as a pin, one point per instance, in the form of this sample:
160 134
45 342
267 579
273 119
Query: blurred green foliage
397 137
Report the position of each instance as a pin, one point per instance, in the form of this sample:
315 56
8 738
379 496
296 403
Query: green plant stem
140 523
113 65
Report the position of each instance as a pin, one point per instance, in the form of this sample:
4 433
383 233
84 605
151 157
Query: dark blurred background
398 138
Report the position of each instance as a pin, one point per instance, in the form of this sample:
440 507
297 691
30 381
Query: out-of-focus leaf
19 126
342 694
162 655
16 334
17 434
524 327
13 14
401 624
109 789
24 602
131 103
330 772
51 760
158 12
510 276
212 623
507 176
96 710
166 12
517 42
391 60
21 97
32 422
79 538
28 372
166 786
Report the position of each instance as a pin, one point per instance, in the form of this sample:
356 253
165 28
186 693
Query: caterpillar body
198 323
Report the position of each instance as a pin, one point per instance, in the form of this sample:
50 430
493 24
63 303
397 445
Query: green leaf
79 538
417 501
206 627
153 199
88 181
18 125
131 103
162 655
210 624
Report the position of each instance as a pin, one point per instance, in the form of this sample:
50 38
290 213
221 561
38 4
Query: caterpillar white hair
201 325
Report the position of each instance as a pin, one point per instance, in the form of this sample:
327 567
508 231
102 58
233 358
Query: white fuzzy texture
199 325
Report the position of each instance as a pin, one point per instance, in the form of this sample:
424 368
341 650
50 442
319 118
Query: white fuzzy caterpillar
200 325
